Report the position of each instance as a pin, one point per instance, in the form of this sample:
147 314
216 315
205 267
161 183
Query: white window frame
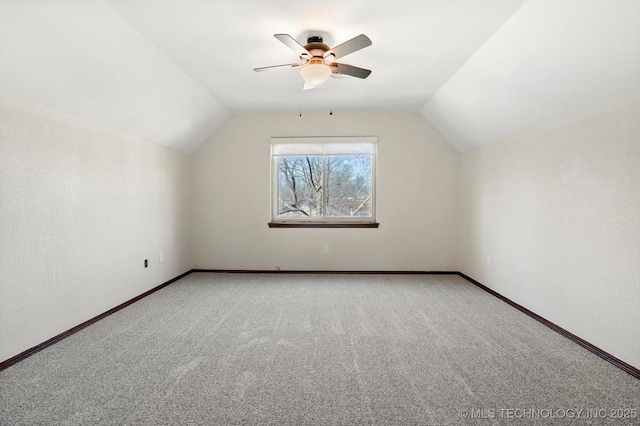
322 146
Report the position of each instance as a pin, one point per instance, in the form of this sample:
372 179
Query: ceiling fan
318 59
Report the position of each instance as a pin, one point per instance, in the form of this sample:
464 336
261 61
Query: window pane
299 186
349 186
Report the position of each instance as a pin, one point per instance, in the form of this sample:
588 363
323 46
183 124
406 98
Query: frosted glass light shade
316 73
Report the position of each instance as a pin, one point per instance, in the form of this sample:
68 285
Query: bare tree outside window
324 186
300 186
349 185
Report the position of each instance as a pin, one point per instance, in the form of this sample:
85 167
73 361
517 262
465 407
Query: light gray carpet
316 349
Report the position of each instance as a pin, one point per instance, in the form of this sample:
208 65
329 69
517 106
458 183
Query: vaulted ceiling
171 71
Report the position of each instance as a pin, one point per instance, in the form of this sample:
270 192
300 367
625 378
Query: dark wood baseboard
588 346
635 372
17 358
292 271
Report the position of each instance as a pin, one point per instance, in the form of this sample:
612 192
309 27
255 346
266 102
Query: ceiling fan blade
292 44
350 70
277 66
353 45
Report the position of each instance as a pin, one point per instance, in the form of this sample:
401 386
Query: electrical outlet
146 263
161 257
325 249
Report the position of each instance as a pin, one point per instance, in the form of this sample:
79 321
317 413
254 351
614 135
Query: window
323 181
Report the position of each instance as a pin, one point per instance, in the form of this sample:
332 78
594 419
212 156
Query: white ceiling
171 71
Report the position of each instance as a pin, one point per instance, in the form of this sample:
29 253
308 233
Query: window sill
322 225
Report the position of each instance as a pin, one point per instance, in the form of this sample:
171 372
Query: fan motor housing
315 46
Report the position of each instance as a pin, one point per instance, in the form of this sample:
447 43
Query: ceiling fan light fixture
316 72
317 59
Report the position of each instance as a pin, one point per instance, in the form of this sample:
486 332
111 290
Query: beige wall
557 208
81 207
416 197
